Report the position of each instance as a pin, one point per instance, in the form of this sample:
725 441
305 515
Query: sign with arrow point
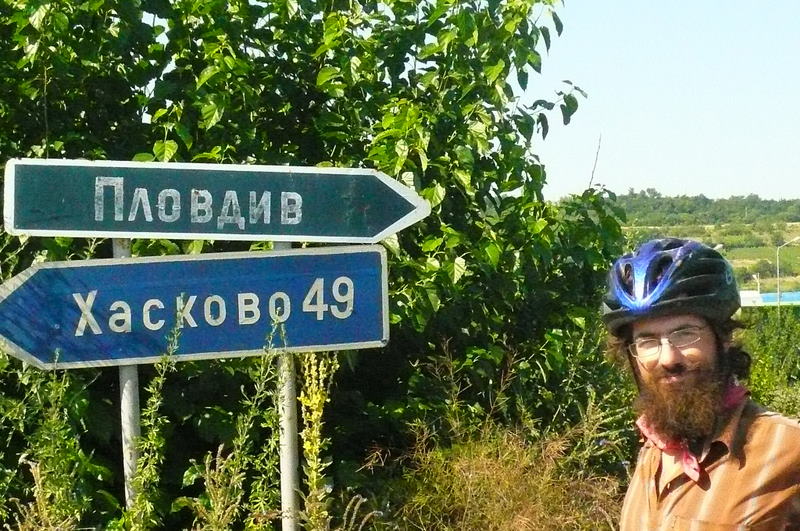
205 201
120 311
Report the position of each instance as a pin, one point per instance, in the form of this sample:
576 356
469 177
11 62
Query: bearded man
712 459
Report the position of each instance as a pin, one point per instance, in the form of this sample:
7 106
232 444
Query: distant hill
648 208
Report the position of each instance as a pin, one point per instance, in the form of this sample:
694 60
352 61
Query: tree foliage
651 208
496 280
770 337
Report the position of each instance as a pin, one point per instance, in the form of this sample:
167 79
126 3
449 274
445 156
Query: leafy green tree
497 281
763 268
650 208
770 337
73 78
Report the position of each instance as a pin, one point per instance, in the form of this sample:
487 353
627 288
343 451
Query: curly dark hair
735 361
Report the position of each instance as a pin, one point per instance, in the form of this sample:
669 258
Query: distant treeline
650 208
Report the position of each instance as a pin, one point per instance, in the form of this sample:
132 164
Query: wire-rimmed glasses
648 349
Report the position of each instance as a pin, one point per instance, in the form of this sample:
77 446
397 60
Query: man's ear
727 341
726 345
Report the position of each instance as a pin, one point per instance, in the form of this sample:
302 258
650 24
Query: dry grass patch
500 481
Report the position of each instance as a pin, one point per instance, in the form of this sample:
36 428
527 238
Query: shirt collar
731 435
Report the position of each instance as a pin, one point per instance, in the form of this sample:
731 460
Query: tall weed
317 370
319 512
60 495
222 503
261 411
142 514
264 494
223 475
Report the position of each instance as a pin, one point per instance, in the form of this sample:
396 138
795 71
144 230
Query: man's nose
670 356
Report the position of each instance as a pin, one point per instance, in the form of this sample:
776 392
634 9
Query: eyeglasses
648 349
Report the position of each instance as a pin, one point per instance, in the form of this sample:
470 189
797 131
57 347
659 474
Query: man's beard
687 411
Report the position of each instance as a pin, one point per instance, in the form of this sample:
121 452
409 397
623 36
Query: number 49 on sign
343 293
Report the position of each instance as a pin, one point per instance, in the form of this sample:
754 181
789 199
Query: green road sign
205 201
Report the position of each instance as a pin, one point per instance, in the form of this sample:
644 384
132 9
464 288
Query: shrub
771 337
742 240
786 400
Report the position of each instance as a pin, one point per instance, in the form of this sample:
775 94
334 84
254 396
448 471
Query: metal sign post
289 455
130 419
131 425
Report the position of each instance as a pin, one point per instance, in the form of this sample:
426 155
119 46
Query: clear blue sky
690 97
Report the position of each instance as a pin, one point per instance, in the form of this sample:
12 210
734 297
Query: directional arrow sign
119 312
205 201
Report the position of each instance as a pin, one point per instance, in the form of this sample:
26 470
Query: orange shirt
750 480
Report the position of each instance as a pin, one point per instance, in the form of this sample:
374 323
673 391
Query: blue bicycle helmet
667 277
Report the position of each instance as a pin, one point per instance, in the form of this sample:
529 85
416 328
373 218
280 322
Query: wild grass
54 459
500 480
42 512
242 483
465 473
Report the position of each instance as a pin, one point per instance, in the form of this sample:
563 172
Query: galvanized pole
290 462
129 401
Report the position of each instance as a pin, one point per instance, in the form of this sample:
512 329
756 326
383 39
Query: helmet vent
657 272
627 278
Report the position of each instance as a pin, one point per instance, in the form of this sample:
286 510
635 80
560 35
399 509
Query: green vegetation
760 262
468 472
60 470
502 286
502 480
492 406
648 208
751 247
771 337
